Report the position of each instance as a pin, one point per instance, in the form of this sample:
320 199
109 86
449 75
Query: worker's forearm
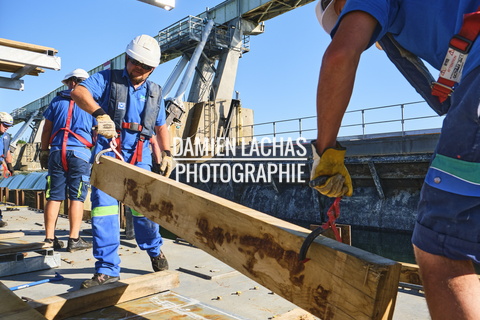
337 74
83 98
8 157
163 137
333 95
46 133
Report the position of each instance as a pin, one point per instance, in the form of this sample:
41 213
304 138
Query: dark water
389 244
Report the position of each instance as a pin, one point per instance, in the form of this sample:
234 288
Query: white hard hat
144 49
78 73
326 14
6 119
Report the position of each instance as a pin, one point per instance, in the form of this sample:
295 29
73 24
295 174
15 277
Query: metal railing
401 119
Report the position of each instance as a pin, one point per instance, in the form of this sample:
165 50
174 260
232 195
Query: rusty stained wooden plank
339 281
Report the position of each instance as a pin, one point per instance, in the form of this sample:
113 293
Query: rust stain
266 246
131 189
165 208
212 236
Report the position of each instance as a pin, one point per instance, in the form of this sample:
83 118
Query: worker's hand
105 126
44 154
331 164
166 166
10 168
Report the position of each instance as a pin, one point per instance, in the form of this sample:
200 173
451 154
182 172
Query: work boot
57 244
159 263
99 279
3 223
77 244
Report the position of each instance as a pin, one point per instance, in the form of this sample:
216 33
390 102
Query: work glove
44 154
10 168
332 165
166 166
105 126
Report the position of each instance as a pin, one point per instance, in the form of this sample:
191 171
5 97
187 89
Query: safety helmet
6 119
144 49
326 14
80 74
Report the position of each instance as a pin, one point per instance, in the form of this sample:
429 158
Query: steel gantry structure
211 70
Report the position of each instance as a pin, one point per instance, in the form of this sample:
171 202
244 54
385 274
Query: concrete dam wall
387 176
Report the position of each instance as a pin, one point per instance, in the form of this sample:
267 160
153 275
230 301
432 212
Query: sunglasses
139 64
6 125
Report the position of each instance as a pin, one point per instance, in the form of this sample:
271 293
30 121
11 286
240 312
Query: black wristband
168 153
98 112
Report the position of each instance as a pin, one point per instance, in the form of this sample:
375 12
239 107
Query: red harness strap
66 132
333 213
459 47
137 155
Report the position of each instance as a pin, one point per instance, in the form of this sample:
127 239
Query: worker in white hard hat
66 140
6 121
443 33
135 105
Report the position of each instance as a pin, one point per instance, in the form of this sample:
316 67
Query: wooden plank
26 46
338 282
295 314
85 300
11 235
14 245
14 308
410 274
12 67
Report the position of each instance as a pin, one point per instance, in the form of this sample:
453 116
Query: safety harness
117 108
66 131
459 47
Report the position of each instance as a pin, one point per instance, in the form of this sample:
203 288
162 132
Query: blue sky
277 78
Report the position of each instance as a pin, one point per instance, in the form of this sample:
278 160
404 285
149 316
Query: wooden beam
85 300
14 308
15 245
338 282
27 46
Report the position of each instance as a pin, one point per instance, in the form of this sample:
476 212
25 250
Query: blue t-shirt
81 123
99 86
423 27
5 139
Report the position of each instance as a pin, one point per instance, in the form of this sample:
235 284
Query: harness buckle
461 38
132 126
436 85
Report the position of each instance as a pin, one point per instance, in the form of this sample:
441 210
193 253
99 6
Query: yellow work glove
44 154
105 125
332 165
166 166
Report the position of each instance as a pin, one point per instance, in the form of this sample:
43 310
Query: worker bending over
135 105
67 130
446 237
